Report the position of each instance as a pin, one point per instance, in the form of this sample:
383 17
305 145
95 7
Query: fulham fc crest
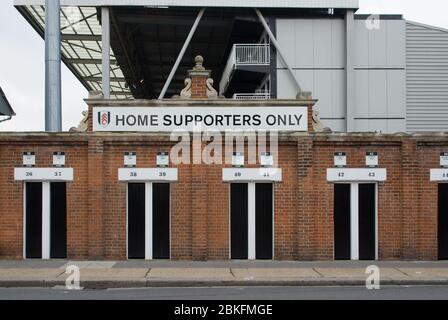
104 119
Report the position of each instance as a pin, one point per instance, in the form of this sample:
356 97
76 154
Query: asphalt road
249 293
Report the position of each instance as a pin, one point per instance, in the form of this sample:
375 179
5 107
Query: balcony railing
259 95
252 54
245 55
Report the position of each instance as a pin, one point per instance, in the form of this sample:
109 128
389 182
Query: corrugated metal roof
5 107
354 4
426 78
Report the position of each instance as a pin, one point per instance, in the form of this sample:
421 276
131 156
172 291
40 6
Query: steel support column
53 105
105 47
350 71
279 51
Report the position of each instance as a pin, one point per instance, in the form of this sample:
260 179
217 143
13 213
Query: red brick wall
200 200
199 87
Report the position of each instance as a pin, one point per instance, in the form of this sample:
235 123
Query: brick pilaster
199 195
304 219
410 199
95 198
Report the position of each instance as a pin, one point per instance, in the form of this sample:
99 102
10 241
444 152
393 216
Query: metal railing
259 95
252 54
245 55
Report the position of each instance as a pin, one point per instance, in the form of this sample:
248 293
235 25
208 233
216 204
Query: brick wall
200 200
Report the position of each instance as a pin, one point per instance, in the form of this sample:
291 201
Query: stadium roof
337 4
81 46
5 107
143 45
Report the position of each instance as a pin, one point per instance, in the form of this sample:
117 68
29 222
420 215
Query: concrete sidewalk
137 274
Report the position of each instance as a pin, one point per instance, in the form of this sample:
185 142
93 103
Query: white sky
22 61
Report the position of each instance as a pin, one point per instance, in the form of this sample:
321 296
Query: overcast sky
22 61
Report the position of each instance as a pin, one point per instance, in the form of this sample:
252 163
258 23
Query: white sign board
354 175
130 159
238 159
163 159
29 159
43 174
444 159
252 175
59 159
372 159
266 159
147 174
340 159
440 175
222 118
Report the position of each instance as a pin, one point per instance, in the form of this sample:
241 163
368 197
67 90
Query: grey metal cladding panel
426 78
312 43
380 48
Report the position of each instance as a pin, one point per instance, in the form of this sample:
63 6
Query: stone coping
199 102
318 136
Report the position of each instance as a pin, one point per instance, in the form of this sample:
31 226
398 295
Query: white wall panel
303 44
361 54
362 93
380 48
323 40
319 47
338 93
315 43
396 93
377 93
377 46
338 43
396 43
286 31
380 94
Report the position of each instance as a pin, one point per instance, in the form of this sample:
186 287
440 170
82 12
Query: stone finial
199 60
198 83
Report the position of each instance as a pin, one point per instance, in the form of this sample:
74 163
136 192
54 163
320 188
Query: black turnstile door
263 220
161 220
136 221
367 222
239 220
33 231
58 220
342 240
443 221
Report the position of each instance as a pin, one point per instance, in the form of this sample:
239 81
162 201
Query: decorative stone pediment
199 84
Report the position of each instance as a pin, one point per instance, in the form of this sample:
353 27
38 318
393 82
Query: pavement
153 274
